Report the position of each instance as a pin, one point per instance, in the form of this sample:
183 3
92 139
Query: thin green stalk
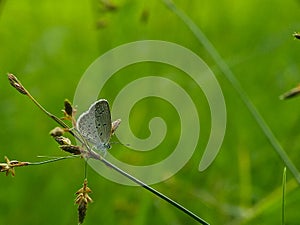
236 85
20 88
55 118
283 196
53 160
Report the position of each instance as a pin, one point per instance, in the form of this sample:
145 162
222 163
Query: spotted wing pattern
95 124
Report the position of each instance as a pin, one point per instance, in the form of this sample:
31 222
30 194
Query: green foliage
50 44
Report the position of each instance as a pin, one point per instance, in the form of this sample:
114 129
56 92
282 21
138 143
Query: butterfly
95 125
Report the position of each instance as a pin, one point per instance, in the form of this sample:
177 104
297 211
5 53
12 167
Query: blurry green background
49 45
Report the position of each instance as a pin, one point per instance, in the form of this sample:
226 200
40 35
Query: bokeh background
49 45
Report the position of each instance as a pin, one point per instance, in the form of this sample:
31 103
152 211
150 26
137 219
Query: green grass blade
283 196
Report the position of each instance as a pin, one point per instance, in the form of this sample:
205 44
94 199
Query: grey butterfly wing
87 127
95 124
103 120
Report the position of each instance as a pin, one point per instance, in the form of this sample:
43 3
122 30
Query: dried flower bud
108 6
73 149
291 93
296 35
57 131
144 17
8 167
69 111
4 167
115 125
62 140
16 84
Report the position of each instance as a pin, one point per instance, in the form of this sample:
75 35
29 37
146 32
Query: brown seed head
82 200
296 35
62 140
57 131
8 167
16 84
73 149
69 111
291 93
